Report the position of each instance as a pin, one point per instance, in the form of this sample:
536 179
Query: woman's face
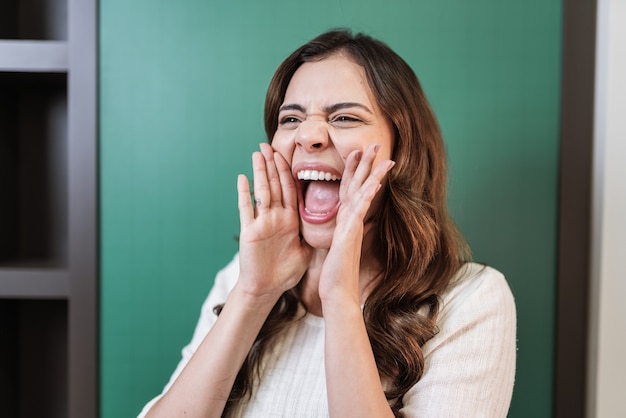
328 112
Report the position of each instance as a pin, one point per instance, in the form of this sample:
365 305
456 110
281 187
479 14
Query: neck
369 274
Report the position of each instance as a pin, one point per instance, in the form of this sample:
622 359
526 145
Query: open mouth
320 195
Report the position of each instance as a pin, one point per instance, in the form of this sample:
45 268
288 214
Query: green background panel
182 85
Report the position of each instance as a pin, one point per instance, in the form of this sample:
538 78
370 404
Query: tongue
321 196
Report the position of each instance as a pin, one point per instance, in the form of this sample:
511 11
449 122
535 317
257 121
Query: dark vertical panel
579 28
83 196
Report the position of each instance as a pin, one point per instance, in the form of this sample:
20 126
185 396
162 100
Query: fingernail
391 164
376 147
357 156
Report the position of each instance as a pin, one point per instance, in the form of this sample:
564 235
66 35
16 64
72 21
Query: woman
352 294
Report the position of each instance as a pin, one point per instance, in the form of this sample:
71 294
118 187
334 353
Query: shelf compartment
33 346
33 56
33 19
33 170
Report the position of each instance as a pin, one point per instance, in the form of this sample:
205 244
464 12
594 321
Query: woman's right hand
272 259
272 256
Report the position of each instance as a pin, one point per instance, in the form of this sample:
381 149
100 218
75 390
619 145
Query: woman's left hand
351 372
359 185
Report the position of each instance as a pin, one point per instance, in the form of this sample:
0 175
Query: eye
289 122
345 121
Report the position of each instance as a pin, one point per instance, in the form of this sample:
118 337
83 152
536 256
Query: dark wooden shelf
33 283
33 56
48 208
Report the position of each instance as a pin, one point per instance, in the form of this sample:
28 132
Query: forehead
331 80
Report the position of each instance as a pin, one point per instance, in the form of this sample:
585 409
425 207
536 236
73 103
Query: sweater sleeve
224 282
470 363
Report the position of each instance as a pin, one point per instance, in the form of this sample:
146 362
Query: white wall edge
607 320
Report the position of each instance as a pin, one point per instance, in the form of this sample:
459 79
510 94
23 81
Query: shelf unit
48 209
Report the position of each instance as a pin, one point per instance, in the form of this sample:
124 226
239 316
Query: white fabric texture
469 364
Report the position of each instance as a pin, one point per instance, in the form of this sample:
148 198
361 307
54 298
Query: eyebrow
328 109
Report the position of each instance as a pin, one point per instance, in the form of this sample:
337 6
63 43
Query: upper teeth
316 175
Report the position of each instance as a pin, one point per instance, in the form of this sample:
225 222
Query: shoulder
477 302
474 275
479 286
224 282
469 365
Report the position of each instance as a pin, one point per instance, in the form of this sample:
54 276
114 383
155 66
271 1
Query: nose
312 135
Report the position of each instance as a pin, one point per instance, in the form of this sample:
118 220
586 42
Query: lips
319 192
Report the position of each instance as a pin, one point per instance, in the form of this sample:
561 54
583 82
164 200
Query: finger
373 183
261 184
244 202
364 167
358 168
352 162
380 171
272 175
365 174
360 195
289 191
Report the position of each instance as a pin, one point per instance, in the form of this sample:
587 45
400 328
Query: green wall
181 98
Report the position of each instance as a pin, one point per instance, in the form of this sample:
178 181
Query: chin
318 236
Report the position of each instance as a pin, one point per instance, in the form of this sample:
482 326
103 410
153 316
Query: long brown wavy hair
416 240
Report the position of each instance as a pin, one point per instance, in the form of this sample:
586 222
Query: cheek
386 141
385 152
344 147
283 146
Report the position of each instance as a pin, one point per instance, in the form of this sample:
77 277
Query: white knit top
469 364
